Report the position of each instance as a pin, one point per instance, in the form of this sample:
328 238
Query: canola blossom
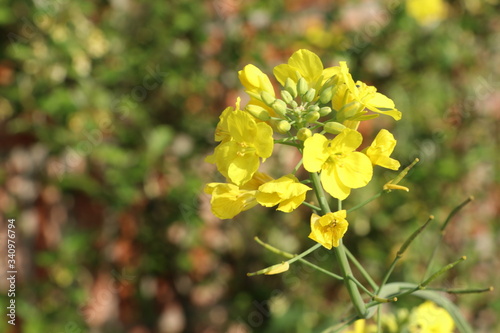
342 167
286 192
329 228
317 111
380 150
238 158
430 318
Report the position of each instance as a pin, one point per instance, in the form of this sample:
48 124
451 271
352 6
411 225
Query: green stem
291 256
402 250
313 207
361 269
352 289
365 202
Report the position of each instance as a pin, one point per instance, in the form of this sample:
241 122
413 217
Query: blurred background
108 109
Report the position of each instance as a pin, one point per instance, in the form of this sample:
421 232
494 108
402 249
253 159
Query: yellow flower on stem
254 80
342 168
286 191
430 318
222 130
328 229
380 150
351 98
308 65
228 200
238 158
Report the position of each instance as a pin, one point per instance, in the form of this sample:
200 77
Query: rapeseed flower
228 200
329 228
286 191
430 318
244 143
342 168
380 150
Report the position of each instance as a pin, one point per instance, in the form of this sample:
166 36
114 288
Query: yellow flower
352 97
328 229
286 191
254 80
222 131
308 65
380 150
426 12
228 200
430 318
237 158
342 168
360 326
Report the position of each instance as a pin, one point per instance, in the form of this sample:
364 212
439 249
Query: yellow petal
333 185
355 170
308 64
315 153
279 268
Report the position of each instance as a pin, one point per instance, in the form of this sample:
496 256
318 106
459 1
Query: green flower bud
326 96
291 87
324 111
294 104
267 98
258 112
283 126
254 95
287 97
312 117
312 108
302 86
280 107
309 96
333 127
304 133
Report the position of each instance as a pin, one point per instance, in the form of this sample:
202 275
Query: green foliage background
108 110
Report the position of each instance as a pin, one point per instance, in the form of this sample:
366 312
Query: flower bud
312 108
304 133
309 96
326 96
333 127
294 104
267 98
324 111
258 112
283 126
291 87
280 107
311 117
287 97
302 86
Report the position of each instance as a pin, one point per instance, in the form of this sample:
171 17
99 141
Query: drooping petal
228 200
242 168
315 152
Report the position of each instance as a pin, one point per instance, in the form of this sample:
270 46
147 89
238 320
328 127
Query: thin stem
443 227
402 250
313 207
290 256
359 304
361 269
365 202
463 291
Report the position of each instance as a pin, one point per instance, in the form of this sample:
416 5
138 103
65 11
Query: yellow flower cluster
319 112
